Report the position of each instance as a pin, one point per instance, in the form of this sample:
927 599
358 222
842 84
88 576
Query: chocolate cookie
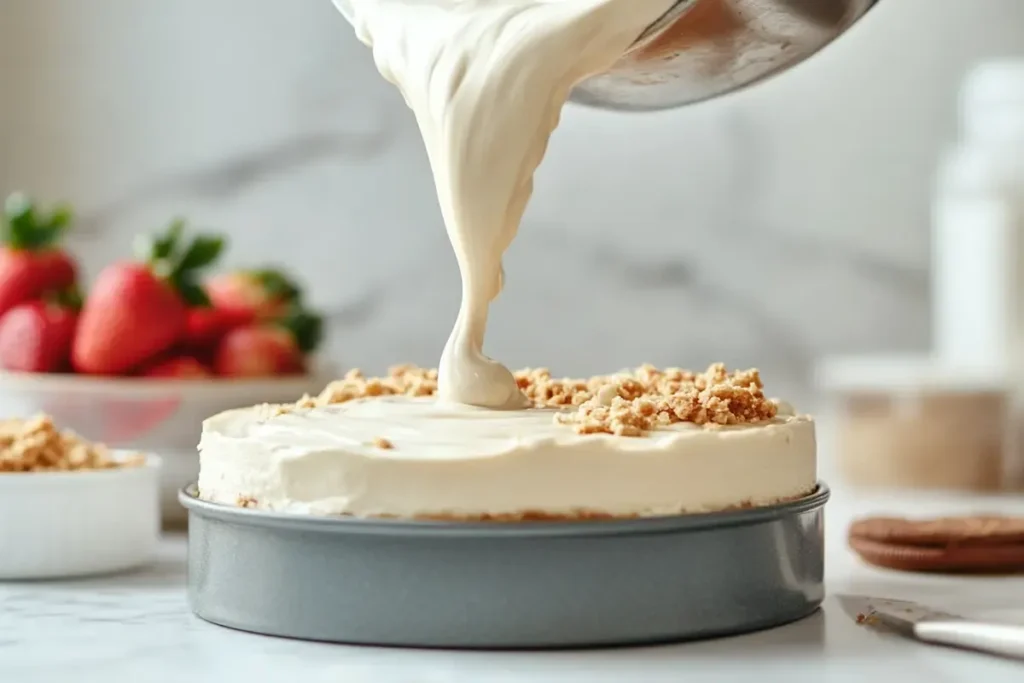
945 544
941 531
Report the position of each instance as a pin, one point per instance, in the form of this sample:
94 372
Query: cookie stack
972 544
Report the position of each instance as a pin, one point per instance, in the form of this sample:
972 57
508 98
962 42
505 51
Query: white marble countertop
137 627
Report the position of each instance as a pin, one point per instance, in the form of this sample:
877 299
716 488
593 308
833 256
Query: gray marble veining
236 173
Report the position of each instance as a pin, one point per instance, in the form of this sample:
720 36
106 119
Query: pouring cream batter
472 441
487 80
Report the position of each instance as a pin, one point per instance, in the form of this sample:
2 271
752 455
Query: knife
928 625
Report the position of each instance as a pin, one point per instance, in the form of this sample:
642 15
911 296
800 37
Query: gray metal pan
501 585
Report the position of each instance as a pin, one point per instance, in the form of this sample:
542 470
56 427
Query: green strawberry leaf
45 235
60 217
19 231
277 284
192 293
165 245
70 298
305 326
202 252
24 227
152 248
167 260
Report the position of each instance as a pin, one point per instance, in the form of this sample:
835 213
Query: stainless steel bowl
701 49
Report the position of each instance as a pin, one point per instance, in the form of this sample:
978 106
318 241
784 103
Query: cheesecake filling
449 460
627 445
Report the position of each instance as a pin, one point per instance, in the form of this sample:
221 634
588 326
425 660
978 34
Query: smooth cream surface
462 460
487 80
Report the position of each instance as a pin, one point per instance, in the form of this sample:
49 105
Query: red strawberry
178 367
258 352
205 327
31 263
261 294
36 336
269 349
137 310
130 316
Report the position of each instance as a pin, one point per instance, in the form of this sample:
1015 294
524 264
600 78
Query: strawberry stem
25 226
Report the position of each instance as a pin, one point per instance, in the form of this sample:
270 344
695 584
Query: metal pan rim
670 524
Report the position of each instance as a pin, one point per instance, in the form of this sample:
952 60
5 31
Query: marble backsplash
765 229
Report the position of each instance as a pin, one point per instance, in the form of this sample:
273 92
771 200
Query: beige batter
487 80
449 460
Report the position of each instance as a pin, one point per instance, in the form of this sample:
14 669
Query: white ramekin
62 524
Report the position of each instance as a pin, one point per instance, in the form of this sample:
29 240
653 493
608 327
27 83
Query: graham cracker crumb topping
381 442
402 380
36 445
630 403
246 502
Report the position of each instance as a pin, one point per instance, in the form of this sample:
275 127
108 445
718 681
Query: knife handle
1005 640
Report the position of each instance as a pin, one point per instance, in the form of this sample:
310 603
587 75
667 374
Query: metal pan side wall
507 590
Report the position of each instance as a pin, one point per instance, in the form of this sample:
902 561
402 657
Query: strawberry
262 294
31 263
205 327
177 367
139 309
36 336
257 351
268 349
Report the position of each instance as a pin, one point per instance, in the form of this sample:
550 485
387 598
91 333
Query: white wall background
762 229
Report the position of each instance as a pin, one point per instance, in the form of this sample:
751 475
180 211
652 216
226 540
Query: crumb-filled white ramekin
61 524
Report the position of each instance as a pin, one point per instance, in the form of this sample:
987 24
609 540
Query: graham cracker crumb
629 403
268 411
381 442
246 502
36 445
404 380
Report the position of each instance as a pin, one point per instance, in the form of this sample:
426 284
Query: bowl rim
152 464
67 383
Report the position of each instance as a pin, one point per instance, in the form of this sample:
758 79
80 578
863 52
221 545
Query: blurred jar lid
905 374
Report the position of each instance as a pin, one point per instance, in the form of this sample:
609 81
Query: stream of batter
487 80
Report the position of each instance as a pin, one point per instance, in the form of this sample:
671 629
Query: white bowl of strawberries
152 348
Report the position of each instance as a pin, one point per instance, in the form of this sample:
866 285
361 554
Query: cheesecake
641 443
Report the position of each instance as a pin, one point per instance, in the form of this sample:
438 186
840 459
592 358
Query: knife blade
925 624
